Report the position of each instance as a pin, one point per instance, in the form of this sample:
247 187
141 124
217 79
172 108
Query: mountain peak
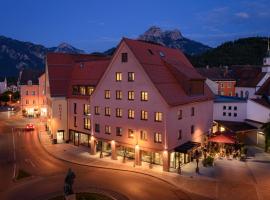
66 48
173 39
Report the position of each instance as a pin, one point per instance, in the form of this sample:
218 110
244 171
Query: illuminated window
158 116
131 95
158 138
143 135
124 57
119 112
107 111
118 94
86 109
87 124
107 129
179 136
107 94
118 76
97 110
179 114
82 90
192 111
97 128
131 76
131 114
144 96
90 90
130 133
119 131
192 129
75 121
144 115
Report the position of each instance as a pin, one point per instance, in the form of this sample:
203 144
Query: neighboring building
3 85
33 99
147 103
223 78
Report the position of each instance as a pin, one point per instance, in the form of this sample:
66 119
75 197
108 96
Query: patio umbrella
222 139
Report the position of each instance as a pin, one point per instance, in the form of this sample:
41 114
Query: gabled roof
247 76
30 74
60 67
216 74
87 73
265 88
169 70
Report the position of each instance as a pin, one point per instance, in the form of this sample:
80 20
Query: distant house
219 79
32 92
3 85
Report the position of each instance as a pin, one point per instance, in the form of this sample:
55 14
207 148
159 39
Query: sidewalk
229 179
188 181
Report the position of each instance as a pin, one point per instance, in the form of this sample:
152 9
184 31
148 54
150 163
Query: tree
5 96
266 130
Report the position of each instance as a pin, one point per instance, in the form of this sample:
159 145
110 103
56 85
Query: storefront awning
222 139
186 147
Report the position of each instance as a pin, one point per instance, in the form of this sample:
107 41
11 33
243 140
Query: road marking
14 155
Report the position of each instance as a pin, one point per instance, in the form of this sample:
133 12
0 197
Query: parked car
30 127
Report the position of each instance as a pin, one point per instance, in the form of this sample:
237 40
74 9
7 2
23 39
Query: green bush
208 161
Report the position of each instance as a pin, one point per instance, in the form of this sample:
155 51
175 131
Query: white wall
240 111
251 91
257 112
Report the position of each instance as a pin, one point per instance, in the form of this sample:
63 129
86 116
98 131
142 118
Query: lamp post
10 97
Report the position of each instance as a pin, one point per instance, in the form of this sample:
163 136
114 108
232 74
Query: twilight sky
96 25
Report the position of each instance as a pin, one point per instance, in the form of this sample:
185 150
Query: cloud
242 15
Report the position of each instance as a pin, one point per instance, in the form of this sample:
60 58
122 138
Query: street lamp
10 97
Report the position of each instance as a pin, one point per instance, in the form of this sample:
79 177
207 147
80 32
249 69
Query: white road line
14 155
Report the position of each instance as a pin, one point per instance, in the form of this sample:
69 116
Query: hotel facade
146 103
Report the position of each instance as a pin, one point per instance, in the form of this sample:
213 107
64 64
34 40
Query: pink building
33 97
147 103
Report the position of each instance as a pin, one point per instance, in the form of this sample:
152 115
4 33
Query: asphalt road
22 150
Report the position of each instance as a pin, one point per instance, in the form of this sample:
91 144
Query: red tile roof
60 67
169 70
89 73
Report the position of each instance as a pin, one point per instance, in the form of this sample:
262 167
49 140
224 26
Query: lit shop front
79 138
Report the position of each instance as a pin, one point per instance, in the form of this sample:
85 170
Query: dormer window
29 82
124 57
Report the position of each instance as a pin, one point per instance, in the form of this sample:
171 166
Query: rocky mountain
244 51
174 39
16 55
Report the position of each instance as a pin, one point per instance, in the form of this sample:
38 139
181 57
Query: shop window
131 114
119 131
158 116
158 138
144 115
131 95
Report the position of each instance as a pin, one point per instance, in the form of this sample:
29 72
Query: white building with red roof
147 103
